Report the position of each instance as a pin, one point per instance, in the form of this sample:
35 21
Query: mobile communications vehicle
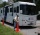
26 12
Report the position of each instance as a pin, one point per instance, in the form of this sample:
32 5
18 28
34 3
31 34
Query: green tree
38 5
3 4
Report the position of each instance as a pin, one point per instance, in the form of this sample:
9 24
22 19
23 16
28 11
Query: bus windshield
28 9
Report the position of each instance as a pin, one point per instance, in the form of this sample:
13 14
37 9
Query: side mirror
20 11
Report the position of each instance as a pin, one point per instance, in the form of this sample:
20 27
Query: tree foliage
38 5
3 4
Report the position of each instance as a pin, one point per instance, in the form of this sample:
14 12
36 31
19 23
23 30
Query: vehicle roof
28 3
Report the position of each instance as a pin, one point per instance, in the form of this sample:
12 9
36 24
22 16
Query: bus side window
8 9
17 9
1 11
11 9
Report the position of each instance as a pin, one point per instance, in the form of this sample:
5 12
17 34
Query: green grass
7 31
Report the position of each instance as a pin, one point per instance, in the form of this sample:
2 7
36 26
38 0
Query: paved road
26 31
38 23
29 31
34 31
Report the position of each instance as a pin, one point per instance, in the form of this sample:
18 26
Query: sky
5 0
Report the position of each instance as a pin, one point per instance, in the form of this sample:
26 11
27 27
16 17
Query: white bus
26 12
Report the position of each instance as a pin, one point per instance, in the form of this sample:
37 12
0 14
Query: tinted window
1 11
17 9
11 9
28 9
6 9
